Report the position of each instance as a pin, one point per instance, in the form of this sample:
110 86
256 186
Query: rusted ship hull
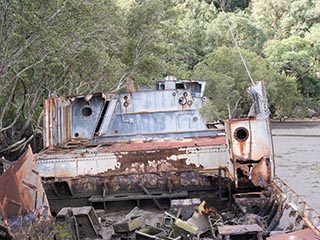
165 166
154 145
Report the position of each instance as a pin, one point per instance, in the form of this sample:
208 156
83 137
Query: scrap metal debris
77 223
186 219
24 209
130 222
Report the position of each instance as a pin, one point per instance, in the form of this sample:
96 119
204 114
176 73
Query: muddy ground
297 154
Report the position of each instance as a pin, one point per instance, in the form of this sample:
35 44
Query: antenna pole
235 42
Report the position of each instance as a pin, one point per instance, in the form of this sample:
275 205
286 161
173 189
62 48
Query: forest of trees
71 47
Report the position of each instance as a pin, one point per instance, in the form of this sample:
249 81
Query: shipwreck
152 147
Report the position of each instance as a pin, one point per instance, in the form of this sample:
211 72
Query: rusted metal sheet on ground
130 222
23 202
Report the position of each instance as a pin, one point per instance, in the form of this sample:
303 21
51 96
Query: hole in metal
182 101
241 134
86 111
126 104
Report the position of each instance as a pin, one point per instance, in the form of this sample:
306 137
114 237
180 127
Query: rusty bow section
250 142
23 203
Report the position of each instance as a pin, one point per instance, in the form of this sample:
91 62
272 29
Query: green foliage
296 57
286 19
232 5
285 97
53 48
227 80
290 55
66 47
247 34
188 44
145 47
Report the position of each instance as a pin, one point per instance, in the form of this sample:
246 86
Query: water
297 155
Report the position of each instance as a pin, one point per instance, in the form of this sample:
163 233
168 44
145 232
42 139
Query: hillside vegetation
70 47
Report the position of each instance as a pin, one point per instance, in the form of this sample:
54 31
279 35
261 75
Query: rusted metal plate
56 127
23 202
251 150
239 229
129 225
150 232
150 157
21 188
253 202
123 167
305 234
250 139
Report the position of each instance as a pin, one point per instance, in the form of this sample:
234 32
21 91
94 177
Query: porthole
241 134
182 101
126 104
86 111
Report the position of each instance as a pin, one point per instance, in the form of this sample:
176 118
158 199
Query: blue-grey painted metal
85 114
170 109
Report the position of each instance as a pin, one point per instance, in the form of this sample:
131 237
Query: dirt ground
297 155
